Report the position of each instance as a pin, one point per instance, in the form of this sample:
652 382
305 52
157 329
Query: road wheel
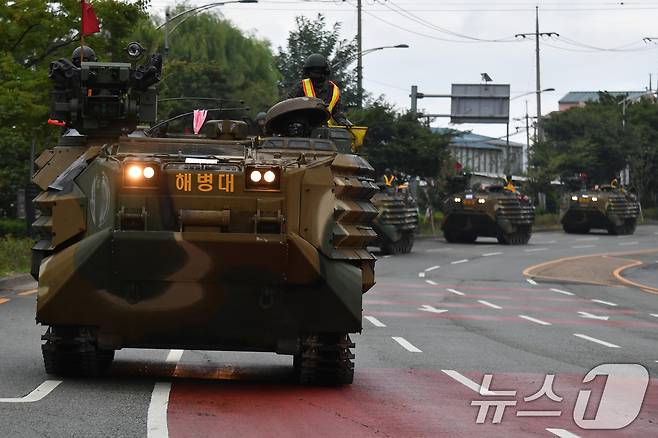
407 242
451 235
325 359
72 351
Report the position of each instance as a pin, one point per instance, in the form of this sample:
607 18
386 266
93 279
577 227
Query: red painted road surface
383 403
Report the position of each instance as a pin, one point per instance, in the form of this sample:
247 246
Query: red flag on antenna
89 21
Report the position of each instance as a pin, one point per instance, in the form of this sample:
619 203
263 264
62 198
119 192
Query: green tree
600 142
399 142
34 33
224 64
316 36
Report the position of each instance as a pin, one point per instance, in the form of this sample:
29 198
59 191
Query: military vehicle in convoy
397 221
496 210
607 207
209 241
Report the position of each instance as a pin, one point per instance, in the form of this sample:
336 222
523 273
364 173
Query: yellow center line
28 292
3 300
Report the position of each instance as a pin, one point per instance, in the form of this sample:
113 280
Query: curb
13 281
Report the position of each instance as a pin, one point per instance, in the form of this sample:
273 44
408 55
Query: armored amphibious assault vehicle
397 221
209 241
494 211
606 207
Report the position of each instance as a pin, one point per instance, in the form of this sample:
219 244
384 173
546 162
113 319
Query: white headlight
458 199
574 198
149 172
595 198
481 201
255 176
269 176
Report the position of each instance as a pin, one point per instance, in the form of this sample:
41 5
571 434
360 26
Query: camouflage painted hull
613 212
272 273
396 223
504 217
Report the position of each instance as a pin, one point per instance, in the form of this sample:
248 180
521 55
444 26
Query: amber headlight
262 178
137 174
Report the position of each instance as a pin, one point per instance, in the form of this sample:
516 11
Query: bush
547 220
425 227
14 255
13 227
650 213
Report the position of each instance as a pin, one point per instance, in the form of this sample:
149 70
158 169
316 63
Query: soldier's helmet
88 55
316 62
260 118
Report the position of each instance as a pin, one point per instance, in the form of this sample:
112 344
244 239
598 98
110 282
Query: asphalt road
438 321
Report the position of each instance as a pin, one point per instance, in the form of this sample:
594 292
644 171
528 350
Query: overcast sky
579 60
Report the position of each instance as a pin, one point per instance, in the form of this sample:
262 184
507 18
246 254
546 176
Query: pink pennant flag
199 119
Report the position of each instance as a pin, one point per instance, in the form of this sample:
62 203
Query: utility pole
359 65
166 33
527 134
537 34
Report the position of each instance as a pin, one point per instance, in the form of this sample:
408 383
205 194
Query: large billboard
480 103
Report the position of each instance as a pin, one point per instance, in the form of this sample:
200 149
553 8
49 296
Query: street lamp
359 74
532 92
354 57
188 14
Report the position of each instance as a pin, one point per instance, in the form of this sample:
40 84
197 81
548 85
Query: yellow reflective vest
309 91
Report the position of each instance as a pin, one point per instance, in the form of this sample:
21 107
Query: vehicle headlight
595 198
269 176
141 174
458 199
574 198
255 176
263 178
148 172
481 200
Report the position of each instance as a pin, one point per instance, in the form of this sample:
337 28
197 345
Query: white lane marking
431 309
583 246
563 292
387 256
598 341
535 249
628 243
531 281
433 283
406 344
468 383
432 268
456 292
456 262
421 274
156 420
374 321
487 303
655 315
489 254
535 320
562 433
174 356
607 303
39 393
586 239
592 316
